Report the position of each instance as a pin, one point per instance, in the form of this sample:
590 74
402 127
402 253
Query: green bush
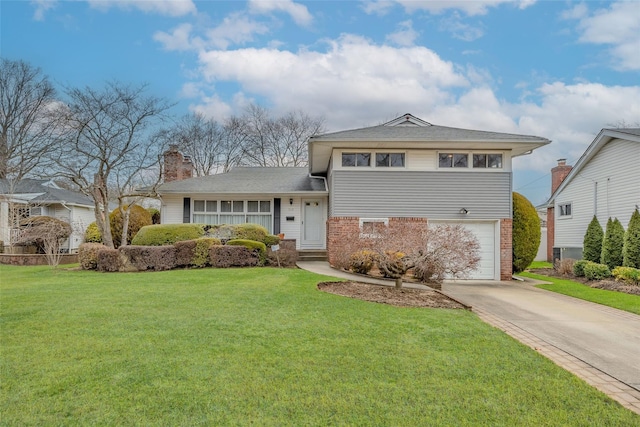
627 274
233 256
526 232
270 240
631 247
155 215
595 271
258 247
612 244
92 234
250 232
88 255
592 243
167 234
194 253
362 261
578 267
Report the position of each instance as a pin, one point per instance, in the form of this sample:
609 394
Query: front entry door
312 224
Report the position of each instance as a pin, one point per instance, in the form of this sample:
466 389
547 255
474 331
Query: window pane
238 206
348 159
382 159
265 206
263 220
363 159
198 205
495 160
211 205
460 160
445 160
479 160
232 219
252 206
397 159
225 206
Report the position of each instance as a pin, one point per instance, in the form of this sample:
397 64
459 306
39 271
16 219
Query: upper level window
487 161
356 159
394 160
453 160
565 209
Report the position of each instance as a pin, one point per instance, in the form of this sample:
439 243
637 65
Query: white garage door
486 234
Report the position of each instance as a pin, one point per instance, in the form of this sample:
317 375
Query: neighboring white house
34 197
406 170
604 182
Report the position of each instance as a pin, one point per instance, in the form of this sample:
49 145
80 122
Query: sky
561 70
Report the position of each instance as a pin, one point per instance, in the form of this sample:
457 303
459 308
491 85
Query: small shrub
270 240
286 256
201 251
592 243
157 258
631 246
578 267
233 256
138 218
259 247
167 234
88 255
92 234
362 261
595 271
627 274
184 252
250 232
109 260
564 266
393 264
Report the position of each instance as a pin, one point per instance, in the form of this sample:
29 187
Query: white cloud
474 7
236 28
178 39
405 36
41 7
162 7
459 29
618 27
298 12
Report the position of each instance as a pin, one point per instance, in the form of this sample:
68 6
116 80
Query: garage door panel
486 235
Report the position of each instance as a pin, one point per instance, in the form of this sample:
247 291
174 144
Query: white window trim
372 159
470 154
362 221
560 216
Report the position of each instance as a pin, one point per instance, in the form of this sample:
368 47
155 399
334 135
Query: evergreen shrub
142 258
88 255
612 244
627 274
631 246
592 243
362 261
167 234
258 247
233 256
578 267
109 260
525 232
595 271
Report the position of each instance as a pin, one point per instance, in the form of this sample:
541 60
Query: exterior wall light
464 211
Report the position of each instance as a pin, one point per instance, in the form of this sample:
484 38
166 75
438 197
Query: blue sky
558 69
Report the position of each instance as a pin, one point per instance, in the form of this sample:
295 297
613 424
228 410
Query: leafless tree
280 141
26 99
110 150
46 232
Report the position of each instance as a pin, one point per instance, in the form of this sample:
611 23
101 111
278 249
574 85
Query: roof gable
43 191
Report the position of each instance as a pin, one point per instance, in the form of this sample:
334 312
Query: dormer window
356 159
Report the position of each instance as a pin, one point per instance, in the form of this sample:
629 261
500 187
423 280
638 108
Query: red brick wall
339 231
506 249
558 174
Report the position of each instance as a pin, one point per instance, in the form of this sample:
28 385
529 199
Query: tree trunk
398 282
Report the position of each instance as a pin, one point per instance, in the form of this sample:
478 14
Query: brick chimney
559 173
176 166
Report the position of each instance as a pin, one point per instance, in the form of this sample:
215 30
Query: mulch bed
608 284
405 297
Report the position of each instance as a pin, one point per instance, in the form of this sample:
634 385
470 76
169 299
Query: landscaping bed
606 284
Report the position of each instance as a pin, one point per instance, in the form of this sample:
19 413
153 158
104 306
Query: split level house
404 170
605 182
37 197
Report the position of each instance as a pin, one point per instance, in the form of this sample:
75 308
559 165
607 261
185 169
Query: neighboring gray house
604 182
404 170
35 197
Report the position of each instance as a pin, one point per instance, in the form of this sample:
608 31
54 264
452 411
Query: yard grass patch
262 346
619 300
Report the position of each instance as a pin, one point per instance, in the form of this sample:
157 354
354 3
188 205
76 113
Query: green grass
619 300
263 347
541 264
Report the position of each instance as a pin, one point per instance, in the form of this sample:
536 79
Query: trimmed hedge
88 255
595 271
233 256
109 260
138 218
194 253
526 232
627 274
167 234
578 267
141 258
252 245
286 256
92 234
248 231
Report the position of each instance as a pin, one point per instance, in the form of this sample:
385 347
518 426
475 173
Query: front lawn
262 346
620 300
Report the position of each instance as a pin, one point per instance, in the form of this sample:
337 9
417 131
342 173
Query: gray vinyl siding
430 194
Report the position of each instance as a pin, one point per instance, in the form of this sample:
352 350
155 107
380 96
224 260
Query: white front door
312 224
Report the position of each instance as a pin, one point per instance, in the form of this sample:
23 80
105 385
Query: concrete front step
312 255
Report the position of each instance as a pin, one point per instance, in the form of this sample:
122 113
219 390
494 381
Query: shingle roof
46 193
249 180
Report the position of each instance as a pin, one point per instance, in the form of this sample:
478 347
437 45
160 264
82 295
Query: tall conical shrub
631 248
525 232
592 244
612 244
